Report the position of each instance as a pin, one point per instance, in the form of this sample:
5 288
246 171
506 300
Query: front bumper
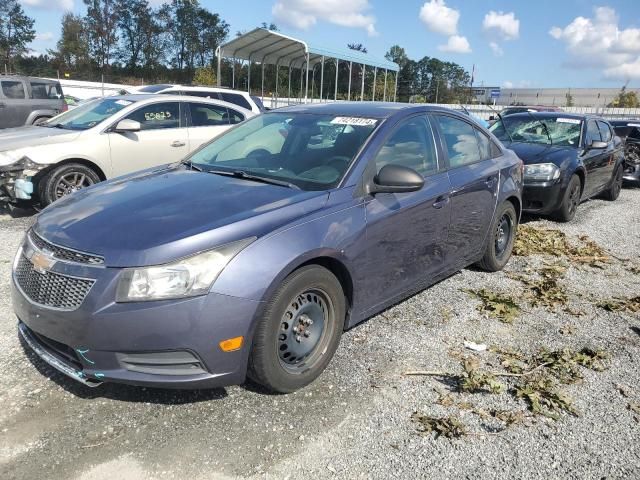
631 173
542 198
171 343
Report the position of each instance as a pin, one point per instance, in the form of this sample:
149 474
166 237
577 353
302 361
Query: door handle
491 181
441 201
178 143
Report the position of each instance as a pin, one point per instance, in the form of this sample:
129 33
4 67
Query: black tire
613 192
311 290
501 238
570 201
40 120
60 181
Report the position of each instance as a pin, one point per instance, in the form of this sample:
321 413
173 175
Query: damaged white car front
16 175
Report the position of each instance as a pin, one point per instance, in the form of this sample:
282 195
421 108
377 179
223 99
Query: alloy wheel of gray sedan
72 182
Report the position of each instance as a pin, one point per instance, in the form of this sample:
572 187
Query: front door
406 232
474 178
595 161
163 138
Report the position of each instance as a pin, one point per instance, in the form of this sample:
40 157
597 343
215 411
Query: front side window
88 114
157 116
310 151
605 132
45 91
593 133
411 145
460 141
204 115
13 89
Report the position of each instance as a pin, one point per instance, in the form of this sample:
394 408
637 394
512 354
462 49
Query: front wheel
64 180
613 192
501 238
299 332
570 201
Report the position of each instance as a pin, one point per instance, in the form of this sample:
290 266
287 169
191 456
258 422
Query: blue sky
541 43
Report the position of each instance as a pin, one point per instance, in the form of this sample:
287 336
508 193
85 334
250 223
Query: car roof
361 109
25 77
139 97
576 116
540 107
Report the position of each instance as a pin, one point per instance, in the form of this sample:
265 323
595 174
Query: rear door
595 160
474 178
46 96
163 138
407 232
15 105
207 121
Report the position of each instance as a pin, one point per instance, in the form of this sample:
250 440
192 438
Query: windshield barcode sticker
125 103
633 124
575 121
359 121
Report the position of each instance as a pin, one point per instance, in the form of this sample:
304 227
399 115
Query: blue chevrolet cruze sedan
253 255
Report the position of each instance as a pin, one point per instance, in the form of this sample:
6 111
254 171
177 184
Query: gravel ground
355 421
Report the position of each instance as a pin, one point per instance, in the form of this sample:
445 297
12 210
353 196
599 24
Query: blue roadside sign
495 93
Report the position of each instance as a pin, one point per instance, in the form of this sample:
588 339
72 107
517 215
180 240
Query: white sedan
105 138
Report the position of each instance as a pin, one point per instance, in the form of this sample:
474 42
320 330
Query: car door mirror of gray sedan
396 179
127 125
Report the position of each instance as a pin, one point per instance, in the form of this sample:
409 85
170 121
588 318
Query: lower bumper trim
51 360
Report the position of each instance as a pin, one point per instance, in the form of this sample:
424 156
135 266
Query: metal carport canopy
274 48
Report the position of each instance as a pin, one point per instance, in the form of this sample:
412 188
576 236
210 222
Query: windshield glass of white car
88 115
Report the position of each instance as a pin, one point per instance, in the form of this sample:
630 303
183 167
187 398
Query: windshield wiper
192 166
255 178
544 125
504 125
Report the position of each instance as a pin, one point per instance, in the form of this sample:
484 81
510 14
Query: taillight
65 107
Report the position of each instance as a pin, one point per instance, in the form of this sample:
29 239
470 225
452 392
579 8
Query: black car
629 133
568 158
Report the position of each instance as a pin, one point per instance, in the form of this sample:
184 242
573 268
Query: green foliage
621 304
497 305
204 76
568 99
449 427
16 31
475 380
545 398
625 99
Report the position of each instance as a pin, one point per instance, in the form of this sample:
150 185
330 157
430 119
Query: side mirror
396 179
597 145
492 118
127 125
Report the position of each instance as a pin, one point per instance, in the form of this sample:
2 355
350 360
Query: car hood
159 215
22 137
538 153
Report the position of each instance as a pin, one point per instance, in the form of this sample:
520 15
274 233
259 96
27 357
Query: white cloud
496 49
503 25
507 84
439 18
598 42
49 4
456 44
520 84
303 14
44 36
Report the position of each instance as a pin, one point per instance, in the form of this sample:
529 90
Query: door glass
13 89
45 91
203 115
460 140
236 99
605 132
235 117
593 134
411 145
157 116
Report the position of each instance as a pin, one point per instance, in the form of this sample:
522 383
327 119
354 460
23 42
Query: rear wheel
613 192
64 180
299 332
501 238
570 201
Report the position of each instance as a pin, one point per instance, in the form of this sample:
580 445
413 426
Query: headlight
541 172
184 278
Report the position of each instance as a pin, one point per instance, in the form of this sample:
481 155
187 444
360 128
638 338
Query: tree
625 99
270 26
73 46
568 99
358 47
204 76
100 24
16 31
131 17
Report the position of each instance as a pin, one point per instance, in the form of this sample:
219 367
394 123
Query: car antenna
504 126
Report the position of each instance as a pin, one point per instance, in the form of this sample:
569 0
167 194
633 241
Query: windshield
548 130
312 152
88 115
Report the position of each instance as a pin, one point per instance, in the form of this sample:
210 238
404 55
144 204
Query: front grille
51 289
65 254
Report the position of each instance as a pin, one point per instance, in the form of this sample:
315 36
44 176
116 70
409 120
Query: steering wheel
339 162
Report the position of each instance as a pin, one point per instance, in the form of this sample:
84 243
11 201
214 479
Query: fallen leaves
500 306
621 304
449 427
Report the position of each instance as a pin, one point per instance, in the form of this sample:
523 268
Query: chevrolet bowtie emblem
42 262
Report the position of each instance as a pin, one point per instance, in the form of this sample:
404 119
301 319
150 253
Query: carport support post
335 95
395 90
262 65
364 70
321 77
375 76
249 76
233 73
277 66
306 88
349 89
384 94
219 54
289 81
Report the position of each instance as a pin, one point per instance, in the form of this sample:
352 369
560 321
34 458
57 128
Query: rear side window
488 149
593 133
235 117
605 132
203 115
460 141
236 99
157 116
258 102
411 145
13 89
45 91
194 93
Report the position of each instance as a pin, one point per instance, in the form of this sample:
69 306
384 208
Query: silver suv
29 100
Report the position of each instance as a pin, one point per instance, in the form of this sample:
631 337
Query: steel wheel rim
503 234
302 330
72 182
574 197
